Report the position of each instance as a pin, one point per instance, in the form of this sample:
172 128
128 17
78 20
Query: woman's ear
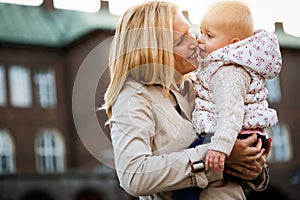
234 40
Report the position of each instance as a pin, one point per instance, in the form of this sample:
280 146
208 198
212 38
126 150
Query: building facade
43 155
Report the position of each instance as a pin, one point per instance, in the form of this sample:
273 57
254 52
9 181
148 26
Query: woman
149 118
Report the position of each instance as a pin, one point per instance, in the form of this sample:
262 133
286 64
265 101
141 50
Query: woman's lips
193 56
202 53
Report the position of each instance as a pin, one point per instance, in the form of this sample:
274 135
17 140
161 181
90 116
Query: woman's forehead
180 24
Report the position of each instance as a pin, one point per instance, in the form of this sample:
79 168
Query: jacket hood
259 52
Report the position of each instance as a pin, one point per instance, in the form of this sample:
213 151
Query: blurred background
43 45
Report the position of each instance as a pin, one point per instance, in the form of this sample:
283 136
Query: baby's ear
234 40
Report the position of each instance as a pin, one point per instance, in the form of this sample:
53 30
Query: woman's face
185 45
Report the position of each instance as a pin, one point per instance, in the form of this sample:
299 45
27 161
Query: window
44 80
24 2
20 86
281 145
80 5
50 151
6 152
2 86
273 86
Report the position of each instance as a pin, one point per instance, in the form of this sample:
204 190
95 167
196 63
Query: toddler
230 87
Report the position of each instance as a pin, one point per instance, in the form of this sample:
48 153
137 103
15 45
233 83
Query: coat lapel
183 104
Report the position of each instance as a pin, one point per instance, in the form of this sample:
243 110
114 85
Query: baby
230 86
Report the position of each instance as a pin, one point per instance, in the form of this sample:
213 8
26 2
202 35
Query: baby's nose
199 40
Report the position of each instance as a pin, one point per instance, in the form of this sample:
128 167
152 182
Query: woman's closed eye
179 40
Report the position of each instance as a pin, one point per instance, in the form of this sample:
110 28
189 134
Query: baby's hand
215 160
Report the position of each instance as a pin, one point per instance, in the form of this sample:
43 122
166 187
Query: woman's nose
193 43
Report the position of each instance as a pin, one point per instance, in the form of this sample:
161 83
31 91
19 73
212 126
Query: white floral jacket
259 56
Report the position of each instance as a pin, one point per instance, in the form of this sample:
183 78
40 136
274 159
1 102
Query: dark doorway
36 195
88 195
270 193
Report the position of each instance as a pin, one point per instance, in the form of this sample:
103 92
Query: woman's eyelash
179 40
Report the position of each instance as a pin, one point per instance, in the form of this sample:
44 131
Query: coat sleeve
230 85
259 184
140 172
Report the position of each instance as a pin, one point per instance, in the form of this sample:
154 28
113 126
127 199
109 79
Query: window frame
20 90
45 87
281 150
3 86
8 151
50 151
274 90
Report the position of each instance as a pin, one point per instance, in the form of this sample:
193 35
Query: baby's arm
229 85
215 160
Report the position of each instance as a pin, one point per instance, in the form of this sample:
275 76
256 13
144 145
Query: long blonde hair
142 48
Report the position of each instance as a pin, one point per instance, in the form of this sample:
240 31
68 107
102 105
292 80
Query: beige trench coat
150 141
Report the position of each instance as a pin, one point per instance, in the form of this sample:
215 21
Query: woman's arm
140 169
252 168
257 179
244 152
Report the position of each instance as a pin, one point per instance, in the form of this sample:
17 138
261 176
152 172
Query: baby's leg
245 133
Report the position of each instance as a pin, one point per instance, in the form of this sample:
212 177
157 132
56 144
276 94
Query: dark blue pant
191 193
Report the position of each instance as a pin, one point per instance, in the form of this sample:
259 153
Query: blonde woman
149 118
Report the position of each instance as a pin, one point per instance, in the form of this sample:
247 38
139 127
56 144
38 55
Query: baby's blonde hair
235 15
142 49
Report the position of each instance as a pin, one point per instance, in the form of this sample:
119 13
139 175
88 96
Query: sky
265 12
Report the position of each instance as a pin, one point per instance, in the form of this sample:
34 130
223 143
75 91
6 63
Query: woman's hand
248 169
268 147
243 151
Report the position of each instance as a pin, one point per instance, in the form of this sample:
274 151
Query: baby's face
213 35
